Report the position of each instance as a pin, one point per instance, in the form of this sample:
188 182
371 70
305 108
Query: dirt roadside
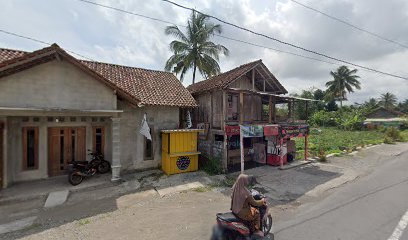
101 214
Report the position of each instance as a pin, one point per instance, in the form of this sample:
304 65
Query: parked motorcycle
230 227
78 170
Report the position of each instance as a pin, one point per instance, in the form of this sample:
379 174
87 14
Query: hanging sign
232 130
251 130
271 130
292 131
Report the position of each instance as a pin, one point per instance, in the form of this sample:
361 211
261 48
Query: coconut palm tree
388 100
344 80
193 49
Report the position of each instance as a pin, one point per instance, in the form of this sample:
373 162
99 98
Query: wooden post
253 79
241 107
241 146
211 109
290 109
270 109
273 111
264 89
281 151
224 110
307 114
306 146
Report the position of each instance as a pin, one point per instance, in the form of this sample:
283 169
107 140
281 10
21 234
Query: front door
1 154
65 144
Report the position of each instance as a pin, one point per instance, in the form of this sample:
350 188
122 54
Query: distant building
384 117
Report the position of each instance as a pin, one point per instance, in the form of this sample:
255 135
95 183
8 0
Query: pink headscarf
239 193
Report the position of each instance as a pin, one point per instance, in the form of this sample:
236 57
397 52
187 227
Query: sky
109 36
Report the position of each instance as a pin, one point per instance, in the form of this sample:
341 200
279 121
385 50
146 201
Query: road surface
373 207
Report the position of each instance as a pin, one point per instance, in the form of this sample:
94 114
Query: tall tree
388 100
371 103
193 49
344 80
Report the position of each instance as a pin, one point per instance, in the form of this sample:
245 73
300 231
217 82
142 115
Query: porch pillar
116 166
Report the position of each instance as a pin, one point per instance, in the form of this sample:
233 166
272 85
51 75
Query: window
99 139
148 150
30 148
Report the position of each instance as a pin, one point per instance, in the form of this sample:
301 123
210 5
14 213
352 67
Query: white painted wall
132 142
56 84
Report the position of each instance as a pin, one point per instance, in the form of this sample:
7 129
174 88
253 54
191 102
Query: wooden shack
246 95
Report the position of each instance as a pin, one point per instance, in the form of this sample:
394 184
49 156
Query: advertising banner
231 130
251 130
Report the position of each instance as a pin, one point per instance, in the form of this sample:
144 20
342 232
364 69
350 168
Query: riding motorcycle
230 227
78 170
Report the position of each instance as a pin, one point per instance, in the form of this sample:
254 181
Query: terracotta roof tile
8 54
150 87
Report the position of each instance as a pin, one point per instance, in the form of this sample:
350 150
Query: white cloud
107 35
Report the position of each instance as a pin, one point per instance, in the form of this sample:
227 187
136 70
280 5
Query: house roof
143 86
224 79
392 113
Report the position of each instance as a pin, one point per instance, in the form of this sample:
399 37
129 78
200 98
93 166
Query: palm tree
388 100
194 49
344 80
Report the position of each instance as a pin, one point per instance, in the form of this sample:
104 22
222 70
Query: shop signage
252 130
295 130
231 130
271 130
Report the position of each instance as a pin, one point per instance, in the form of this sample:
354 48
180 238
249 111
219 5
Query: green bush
388 140
393 133
212 166
323 118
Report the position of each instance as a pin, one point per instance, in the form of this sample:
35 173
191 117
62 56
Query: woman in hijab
242 204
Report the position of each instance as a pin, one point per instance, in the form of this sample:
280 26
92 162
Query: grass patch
33 226
333 140
211 165
83 222
203 189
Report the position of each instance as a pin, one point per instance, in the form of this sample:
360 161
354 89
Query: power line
286 43
351 25
228 38
42 42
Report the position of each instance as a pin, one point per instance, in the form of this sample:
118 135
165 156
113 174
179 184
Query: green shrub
388 140
323 118
393 133
212 166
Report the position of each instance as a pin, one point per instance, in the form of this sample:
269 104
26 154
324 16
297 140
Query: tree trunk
194 71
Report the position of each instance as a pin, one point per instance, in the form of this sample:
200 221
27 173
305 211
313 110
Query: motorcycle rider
242 204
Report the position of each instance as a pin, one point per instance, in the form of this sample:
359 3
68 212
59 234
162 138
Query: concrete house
53 107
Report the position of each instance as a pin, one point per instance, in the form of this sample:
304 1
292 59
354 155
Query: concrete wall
14 157
56 84
133 143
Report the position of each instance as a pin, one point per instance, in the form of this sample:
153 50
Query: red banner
232 130
271 130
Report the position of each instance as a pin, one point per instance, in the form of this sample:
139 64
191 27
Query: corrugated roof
148 87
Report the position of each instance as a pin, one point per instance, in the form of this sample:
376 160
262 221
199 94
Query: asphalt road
372 207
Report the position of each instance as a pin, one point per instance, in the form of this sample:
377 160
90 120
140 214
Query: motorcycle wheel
75 178
267 225
104 167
